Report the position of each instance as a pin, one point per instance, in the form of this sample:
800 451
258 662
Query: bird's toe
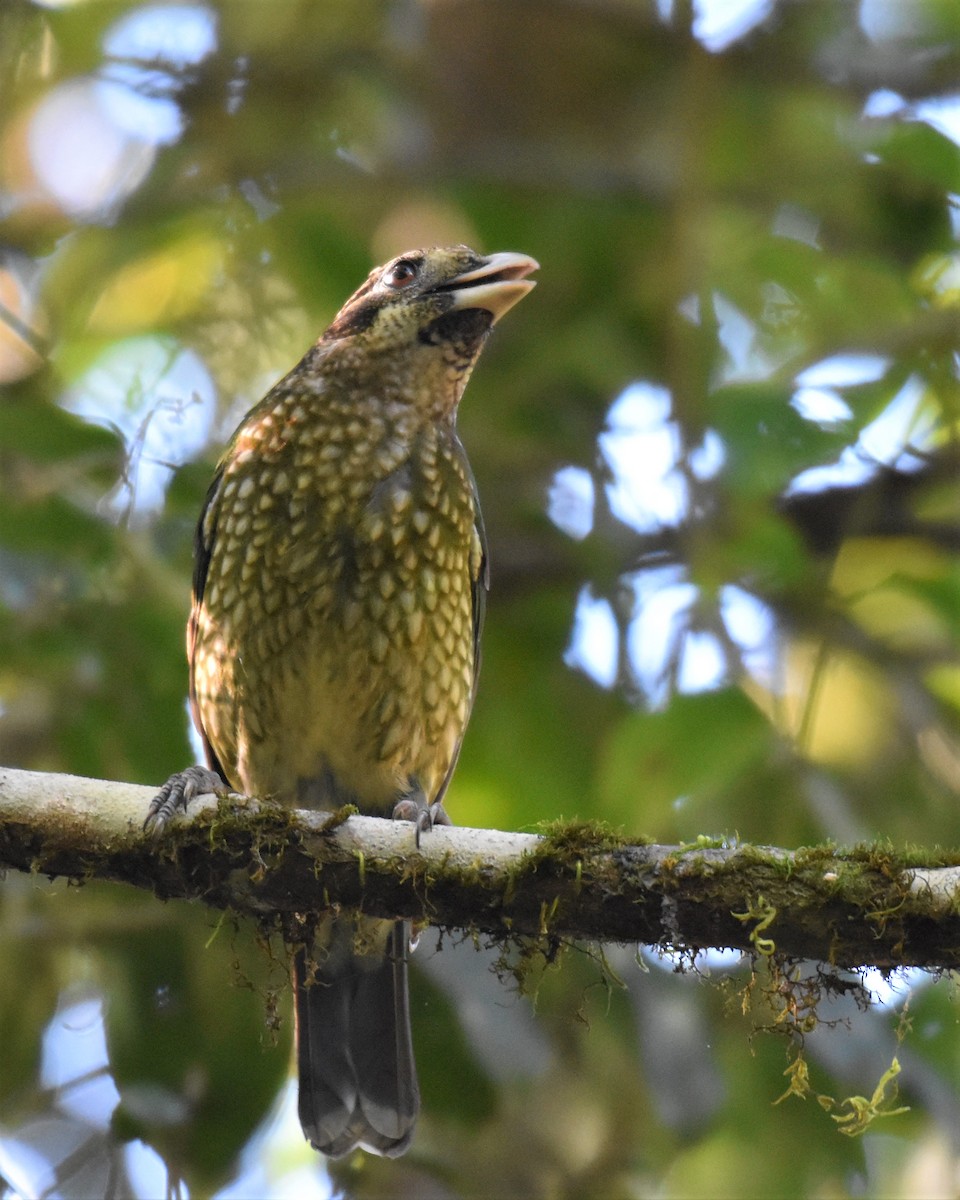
177 793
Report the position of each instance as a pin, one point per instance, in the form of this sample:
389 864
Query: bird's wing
202 549
479 587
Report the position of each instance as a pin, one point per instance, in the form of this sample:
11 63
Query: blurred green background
718 454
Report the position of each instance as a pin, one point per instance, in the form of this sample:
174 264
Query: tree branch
866 906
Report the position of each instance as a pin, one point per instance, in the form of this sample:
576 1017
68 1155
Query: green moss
576 839
704 842
338 816
764 914
854 1114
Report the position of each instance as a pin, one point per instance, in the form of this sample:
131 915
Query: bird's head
447 297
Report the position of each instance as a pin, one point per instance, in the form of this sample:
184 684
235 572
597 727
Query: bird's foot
413 806
177 793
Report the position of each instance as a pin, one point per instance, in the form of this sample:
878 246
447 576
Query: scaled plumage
340 574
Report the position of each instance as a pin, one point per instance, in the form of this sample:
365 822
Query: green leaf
699 747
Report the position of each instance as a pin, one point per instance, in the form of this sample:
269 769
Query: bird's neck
424 381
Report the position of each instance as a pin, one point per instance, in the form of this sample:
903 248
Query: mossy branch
864 906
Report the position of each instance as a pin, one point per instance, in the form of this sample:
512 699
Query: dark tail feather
358 1079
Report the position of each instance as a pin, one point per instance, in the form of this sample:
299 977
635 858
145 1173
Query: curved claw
414 807
177 793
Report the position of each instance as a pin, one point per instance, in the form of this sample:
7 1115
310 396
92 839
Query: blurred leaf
766 440
28 997
47 434
195 1061
452 1081
648 768
54 526
920 154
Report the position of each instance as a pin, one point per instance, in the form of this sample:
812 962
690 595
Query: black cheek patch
463 330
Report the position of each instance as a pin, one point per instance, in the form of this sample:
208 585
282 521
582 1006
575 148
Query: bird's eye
401 273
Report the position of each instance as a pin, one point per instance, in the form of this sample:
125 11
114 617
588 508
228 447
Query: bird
339 584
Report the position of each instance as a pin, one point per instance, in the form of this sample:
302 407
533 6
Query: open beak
495 286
